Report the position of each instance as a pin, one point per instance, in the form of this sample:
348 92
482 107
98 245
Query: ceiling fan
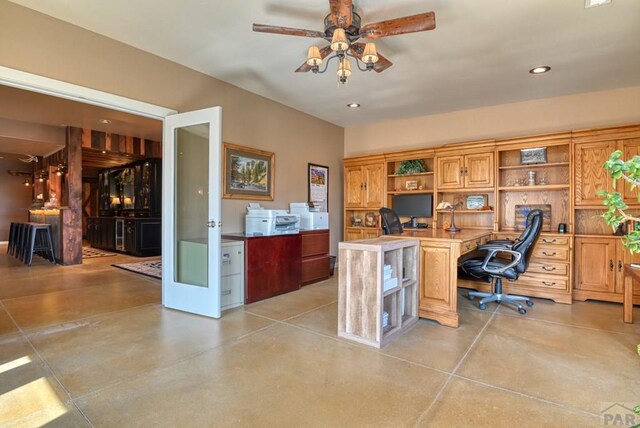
343 29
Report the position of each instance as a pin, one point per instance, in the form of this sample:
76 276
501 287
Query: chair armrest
491 246
492 253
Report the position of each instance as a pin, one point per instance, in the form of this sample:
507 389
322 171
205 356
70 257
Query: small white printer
261 222
309 220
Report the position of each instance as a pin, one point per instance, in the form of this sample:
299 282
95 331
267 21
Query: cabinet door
436 292
373 185
354 187
353 235
130 243
624 257
449 170
370 233
590 177
595 260
478 170
630 148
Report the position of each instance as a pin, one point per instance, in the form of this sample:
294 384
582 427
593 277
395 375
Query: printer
262 222
309 219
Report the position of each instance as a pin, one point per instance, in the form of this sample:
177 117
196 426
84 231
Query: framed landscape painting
247 173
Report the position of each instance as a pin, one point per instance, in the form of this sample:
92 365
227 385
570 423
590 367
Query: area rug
89 253
151 268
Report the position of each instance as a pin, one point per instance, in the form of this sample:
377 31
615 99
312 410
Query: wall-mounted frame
247 173
318 186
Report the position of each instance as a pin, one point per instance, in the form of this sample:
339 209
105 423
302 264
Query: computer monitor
413 205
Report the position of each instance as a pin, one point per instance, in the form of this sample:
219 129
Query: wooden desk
627 297
439 253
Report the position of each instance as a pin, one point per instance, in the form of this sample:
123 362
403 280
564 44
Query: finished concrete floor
91 345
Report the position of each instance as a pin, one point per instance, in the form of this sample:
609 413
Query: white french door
191 224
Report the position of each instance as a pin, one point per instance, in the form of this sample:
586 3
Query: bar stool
40 241
22 241
12 238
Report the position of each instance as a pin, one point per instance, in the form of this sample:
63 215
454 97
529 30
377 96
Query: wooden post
71 244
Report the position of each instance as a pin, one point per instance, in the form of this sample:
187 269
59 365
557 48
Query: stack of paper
389 282
385 319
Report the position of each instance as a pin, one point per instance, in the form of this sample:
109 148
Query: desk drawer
550 253
468 246
542 282
553 240
549 268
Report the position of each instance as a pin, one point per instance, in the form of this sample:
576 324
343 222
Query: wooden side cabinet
377 289
599 266
315 255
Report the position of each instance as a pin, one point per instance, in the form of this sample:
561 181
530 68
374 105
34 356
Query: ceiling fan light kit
342 29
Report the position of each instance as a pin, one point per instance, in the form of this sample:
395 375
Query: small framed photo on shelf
533 156
476 202
411 185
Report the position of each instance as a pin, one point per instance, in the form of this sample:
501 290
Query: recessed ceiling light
105 121
353 105
540 69
594 3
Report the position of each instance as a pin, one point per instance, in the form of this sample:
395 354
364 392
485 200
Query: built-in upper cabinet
465 171
364 186
590 177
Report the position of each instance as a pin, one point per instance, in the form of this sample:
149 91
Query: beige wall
595 109
39 44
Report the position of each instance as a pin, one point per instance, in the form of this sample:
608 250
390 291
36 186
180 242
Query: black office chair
509 243
390 221
490 268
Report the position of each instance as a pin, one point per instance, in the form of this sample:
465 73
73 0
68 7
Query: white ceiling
478 55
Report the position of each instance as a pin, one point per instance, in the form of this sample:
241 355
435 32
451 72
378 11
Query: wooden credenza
272 265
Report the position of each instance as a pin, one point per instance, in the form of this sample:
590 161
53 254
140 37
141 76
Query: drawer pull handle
549 254
548 269
619 265
548 283
467 246
226 292
548 241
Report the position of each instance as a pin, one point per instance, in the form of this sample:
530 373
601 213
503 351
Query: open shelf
474 191
534 166
417 174
468 211
409 192
536 188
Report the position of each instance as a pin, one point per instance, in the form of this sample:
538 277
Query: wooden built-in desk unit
438 284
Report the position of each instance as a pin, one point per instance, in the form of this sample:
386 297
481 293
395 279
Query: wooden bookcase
362 299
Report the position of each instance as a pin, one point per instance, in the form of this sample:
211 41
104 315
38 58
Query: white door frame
57 88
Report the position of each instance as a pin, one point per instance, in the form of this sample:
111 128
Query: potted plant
413 166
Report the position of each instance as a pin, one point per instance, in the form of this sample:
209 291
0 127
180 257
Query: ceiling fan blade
408 24
341 12
324 52
357 49
261 28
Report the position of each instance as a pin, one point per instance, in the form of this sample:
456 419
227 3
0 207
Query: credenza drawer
542 282
551 268
550 253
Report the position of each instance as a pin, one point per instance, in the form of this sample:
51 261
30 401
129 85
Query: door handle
365 186
361 186
211 224
219 224
619 265
611 265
